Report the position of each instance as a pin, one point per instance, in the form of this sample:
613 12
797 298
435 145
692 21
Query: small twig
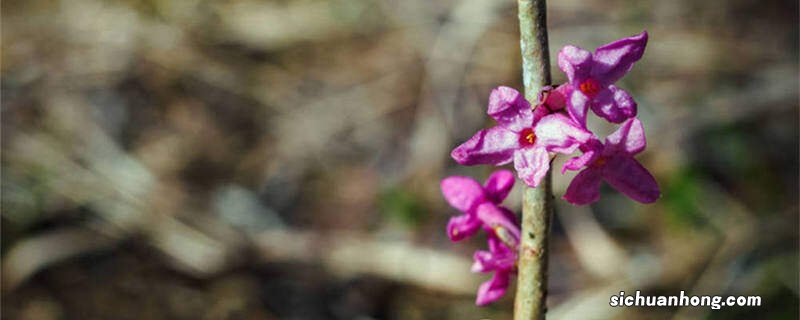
536 203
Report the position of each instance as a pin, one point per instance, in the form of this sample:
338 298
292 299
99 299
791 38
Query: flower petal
557 98
483 262
532 165
540 112
576 64
463 193
497 247
492 290
631 178
509 215
578 106
559 133
486 261
498 185
628 139
494 146
510 109
614 104
584 188
592 149
614 60
501 226
463 226
579 162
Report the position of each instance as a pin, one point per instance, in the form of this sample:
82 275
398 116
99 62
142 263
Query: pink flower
522 136
481 206
501 260
592 76
614 163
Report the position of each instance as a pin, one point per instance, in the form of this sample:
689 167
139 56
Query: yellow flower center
527 137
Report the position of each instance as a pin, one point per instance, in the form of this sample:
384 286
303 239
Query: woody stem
537 205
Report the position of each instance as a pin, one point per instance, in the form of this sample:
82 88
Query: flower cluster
481 207
530 137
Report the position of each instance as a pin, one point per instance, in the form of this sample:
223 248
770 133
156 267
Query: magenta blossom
501 260
481 206
592 76
522 135
614 163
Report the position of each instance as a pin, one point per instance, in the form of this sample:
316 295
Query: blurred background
280 159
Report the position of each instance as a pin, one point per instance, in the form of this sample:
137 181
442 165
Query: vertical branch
529 303
533 42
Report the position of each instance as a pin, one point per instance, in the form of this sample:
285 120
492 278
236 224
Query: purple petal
510 109
498 185
486 261
584 188
509 215
592 149
540 112
494 146
492 290
614 60
629 177
558 133
532 165
576 64
628 139
496 246
504 258
504 228
579 162
578 106
557 99
614 104
463 226
463 193
483 262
